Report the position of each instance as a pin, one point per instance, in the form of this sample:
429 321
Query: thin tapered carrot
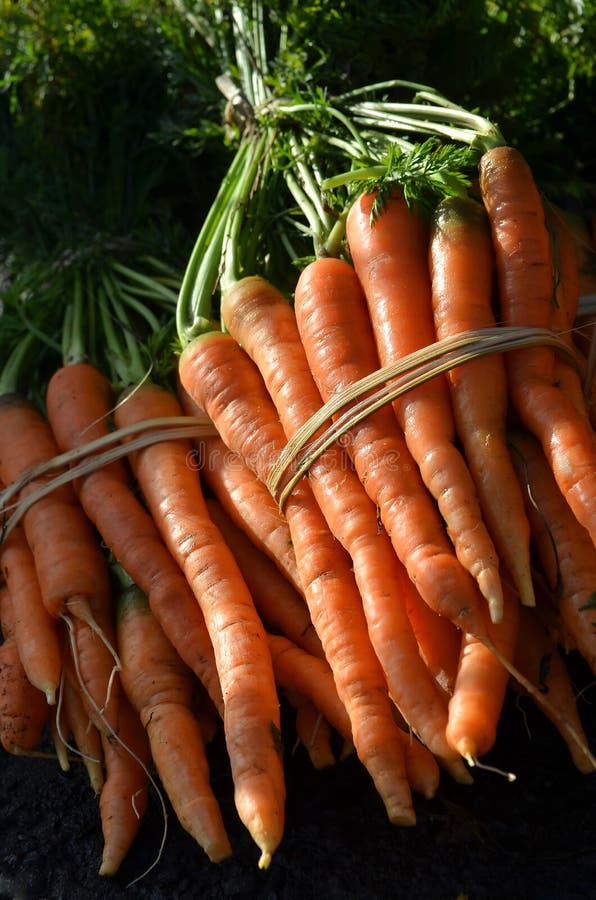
313 730
538 657
38 635
72 719
390 256
174 495
258 316
298 670
225 382
331 312
480 685
279 605
24 711
160 687
462 277
439 641
80 401
124 794
565 301
525 276
565 549
245 499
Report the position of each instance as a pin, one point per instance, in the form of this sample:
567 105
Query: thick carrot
174 495
79 401
224 381
279 605
335 328
480 685
24 711
38 635
538 657
124 794
390 256
160 687
245 499
462 276
565 550
258 316
524 266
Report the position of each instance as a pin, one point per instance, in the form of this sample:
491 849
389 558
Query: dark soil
534 838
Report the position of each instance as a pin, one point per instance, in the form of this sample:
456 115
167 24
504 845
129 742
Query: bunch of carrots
371 496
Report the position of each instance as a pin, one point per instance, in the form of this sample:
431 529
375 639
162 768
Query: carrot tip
265 860
490 588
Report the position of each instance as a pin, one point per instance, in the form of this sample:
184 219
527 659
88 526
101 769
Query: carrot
297 670
462 278
37 634
262 321
79 401
225 382
124 794
439 641
70 567
566 302
312 729
174 495
524 266
160 687
391 260
565 550
24 711
480 686
539 658
72 718
279 605
335 328
245 499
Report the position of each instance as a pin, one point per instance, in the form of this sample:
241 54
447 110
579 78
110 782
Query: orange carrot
123 797
279 605
160 687
24 711
79 401
72 719
225 382
524 266
480 685
260 319
312 729
462 277
335 329
390 256
539 658
173 493
245 499
37 634
564 548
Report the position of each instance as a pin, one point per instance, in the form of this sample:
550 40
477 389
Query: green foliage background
111 124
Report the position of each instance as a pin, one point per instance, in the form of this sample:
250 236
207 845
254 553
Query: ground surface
533 839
